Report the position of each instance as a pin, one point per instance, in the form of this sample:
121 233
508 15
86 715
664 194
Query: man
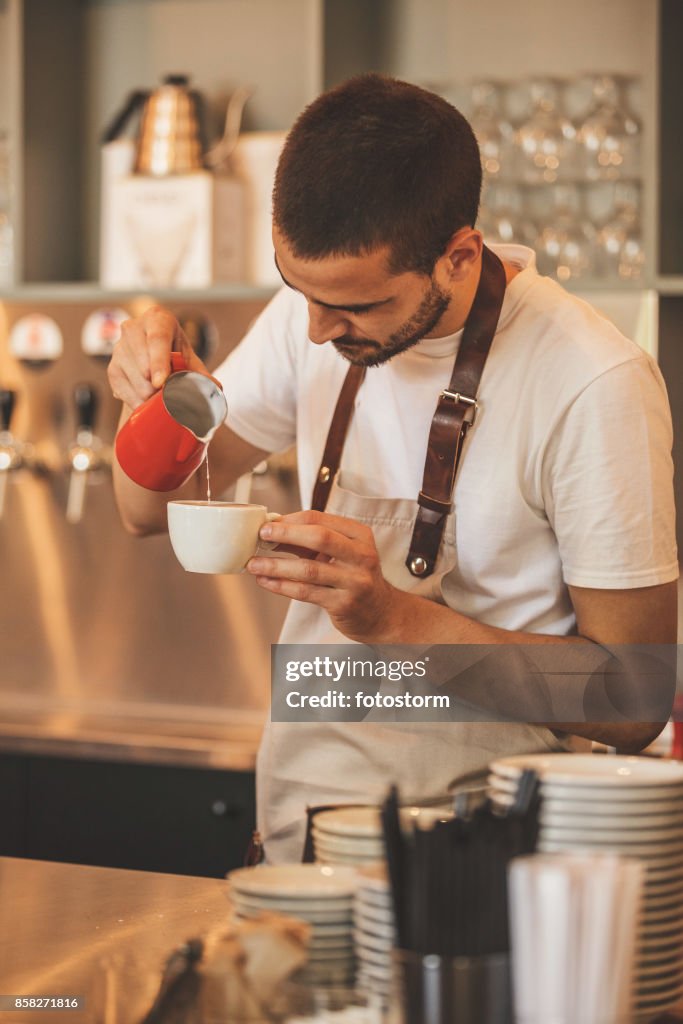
563 526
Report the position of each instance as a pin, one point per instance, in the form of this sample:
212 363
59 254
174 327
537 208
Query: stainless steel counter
99 934
96 933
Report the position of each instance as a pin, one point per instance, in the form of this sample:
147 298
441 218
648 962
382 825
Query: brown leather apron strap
336 437
455 413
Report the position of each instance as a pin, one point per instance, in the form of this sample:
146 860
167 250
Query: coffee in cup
216 536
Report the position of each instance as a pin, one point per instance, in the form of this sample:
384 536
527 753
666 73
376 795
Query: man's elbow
139 527
633 737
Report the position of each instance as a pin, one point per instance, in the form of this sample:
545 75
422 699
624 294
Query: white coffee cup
216 536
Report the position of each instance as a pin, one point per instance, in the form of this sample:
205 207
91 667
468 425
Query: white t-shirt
566 476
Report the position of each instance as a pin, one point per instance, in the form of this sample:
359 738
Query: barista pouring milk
562 523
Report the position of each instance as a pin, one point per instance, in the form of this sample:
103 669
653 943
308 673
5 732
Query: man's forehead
339 279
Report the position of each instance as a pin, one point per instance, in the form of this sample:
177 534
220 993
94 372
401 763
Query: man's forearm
416 620
545 689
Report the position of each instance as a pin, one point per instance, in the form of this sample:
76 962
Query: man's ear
462 253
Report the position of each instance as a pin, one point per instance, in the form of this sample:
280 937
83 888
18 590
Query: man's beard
422 322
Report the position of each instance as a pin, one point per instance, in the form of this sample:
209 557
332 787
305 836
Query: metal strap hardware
455 396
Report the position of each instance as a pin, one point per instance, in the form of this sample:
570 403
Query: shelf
669 284
605 284
92 292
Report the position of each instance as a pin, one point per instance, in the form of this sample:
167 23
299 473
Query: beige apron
306 764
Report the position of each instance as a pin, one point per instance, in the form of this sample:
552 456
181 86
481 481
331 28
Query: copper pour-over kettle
171 137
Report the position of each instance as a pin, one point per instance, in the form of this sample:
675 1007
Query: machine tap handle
87 402
8 400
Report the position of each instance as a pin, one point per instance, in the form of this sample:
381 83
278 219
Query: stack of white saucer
348 835
631 806
374 931
321 895
353 835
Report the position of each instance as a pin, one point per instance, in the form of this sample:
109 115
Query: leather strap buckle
434 504
455 396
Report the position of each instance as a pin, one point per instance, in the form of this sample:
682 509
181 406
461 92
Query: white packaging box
181 231
254 161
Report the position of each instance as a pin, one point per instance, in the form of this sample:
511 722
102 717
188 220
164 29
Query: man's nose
324 324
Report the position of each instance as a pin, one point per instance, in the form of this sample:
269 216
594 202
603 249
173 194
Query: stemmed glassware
503 217
565 245
609 137
619 244
561 162
494 131
546 140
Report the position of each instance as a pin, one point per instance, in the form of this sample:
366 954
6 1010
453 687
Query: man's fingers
315 522
141 361
301 570
128 369
292 549
347 527
319 539
160 329
132 388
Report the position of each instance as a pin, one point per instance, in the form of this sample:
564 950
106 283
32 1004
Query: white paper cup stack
631 806
573 923
374 931
321 895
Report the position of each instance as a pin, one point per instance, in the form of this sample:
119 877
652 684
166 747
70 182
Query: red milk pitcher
165 439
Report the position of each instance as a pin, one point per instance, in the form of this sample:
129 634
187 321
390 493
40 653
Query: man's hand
141 360
340 571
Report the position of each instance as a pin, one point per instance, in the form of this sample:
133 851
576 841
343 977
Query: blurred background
132 694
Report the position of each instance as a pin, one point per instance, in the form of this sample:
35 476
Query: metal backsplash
92 619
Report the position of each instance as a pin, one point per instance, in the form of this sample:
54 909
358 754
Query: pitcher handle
133 102
179 363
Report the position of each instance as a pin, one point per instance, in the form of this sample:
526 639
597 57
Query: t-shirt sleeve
607 480
259 377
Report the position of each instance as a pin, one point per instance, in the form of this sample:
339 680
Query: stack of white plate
348 835
632 806
374 933
353 835
319 894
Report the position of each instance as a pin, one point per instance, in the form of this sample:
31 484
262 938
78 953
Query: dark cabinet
13 805
144 817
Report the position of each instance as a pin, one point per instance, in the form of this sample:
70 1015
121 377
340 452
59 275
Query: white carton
181 231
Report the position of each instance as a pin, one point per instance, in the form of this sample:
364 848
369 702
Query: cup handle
269 545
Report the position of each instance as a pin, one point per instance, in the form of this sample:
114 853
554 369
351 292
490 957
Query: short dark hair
374 162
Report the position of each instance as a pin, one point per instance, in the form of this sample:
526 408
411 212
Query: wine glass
493 130
565 245
620 254
502 217
546 140
609 137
